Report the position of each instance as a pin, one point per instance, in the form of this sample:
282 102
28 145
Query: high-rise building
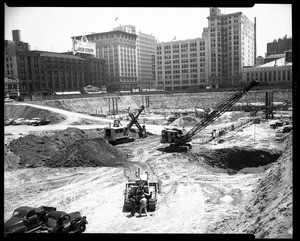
182 65
145 45
231 45
279 46
118 49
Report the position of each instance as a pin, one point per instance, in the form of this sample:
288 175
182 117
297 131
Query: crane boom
179 141
135 118
216 113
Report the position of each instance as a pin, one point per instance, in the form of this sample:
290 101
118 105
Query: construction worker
132 202
143 205
213 133
140 192
132 199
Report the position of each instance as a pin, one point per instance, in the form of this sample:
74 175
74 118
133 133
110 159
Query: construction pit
240 182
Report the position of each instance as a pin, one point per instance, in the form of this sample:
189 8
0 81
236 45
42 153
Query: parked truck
61 222
26 219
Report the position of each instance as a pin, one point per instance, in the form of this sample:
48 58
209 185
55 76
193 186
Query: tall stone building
231 45
118 49
145 46
182 64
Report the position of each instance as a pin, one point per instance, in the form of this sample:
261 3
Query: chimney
16 34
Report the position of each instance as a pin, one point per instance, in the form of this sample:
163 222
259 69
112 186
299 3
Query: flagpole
117 20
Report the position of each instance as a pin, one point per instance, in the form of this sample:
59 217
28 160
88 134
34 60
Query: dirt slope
163 102
269 212
27 112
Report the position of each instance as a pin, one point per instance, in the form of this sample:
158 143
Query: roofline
177 41
225 15
58 55
104 33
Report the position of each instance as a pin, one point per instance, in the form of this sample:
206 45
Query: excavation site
209 163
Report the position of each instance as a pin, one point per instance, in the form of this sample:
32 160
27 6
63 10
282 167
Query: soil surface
240 182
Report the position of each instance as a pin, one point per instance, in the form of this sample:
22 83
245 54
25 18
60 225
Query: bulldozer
141 185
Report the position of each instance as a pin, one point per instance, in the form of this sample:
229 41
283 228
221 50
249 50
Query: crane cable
254 122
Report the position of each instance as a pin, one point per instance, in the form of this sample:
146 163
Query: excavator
118 134
179 140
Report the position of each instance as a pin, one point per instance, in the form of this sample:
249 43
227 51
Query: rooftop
272 56
106 33
58 55
277 62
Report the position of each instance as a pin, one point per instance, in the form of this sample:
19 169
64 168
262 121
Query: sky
51 28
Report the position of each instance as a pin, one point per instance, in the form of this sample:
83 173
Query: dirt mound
238 158
269 212
87 153
186 121
69 148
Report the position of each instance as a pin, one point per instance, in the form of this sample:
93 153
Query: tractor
141 185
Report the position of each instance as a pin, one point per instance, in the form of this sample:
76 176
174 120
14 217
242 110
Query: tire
151 207
82 228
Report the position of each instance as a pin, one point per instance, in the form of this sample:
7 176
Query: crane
142 130
179 140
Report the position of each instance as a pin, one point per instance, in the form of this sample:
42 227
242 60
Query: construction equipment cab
171 134
117 134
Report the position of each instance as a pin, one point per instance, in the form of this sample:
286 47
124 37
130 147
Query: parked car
34 121
26 219
61 222
287 128
9 121
8 100
19 121
42 122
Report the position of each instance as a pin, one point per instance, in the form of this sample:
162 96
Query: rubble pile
69 148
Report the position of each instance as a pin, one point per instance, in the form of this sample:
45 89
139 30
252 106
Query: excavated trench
237 158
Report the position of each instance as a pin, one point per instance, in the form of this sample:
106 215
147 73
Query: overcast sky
51 29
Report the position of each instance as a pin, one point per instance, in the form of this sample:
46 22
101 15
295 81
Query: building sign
84 46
